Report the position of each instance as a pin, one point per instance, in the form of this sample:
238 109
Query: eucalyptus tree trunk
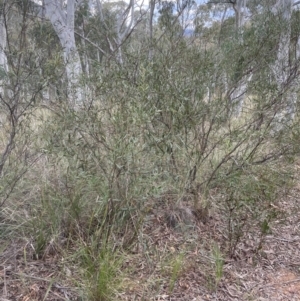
3 57
124 25
281 68
238 92
63 24
151 17
239 7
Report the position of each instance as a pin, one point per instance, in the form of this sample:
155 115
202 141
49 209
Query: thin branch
90 42
125 15
221 2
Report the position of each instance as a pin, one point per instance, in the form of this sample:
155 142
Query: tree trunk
238 93
63 25
152 8
3 57
281 67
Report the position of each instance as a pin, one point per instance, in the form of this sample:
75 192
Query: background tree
63 24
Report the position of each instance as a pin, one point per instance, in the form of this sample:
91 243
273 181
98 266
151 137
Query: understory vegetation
158 142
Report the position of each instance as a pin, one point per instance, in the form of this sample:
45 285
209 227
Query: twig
43 279
281 283
32 277
4 280
286 240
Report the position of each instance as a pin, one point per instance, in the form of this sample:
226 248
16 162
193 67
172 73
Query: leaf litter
172 260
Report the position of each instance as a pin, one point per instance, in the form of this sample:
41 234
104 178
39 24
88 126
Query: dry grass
167 262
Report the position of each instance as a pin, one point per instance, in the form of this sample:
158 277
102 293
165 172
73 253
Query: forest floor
172 264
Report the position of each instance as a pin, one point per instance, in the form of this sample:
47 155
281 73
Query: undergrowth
83 183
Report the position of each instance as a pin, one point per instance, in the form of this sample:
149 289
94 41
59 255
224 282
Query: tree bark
152 8
239 91
63 25
281 68
3 56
